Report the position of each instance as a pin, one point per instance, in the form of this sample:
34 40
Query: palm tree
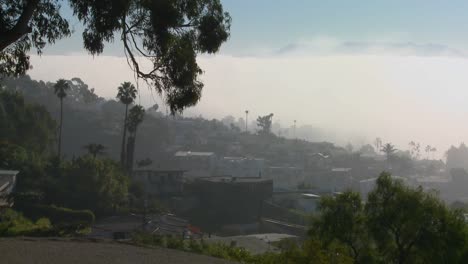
388 149
135 118
60 89
126 95
95 149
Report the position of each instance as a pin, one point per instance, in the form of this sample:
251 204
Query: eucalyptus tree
167 34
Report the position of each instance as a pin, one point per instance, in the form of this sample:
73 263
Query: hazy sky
394 69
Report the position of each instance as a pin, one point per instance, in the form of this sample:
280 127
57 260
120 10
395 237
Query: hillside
51 251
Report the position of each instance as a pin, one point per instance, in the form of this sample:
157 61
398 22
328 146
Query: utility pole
246 120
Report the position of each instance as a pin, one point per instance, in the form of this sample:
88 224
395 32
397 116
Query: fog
397 94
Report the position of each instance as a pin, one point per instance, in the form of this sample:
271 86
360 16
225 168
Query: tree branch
21 27
136 66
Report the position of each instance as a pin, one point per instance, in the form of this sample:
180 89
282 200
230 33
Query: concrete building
7 185
160 183
241 167
196 164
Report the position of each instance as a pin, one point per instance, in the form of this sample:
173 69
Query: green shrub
13 223
61 215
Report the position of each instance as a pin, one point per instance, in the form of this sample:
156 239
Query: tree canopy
398 224
264 122
168 33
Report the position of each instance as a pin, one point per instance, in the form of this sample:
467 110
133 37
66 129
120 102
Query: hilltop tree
169 34
95 149
60 89
264 122
389 149
135 118
126 95
415 149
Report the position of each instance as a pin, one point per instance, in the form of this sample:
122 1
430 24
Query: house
317 161
241 167
160 183
196 164
285 178
297 200
7 185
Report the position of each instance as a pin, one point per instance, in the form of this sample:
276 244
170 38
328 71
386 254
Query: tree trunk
60 130
122 153
130 152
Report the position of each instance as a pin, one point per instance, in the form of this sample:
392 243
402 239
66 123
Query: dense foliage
398 224
25 124
15 224
82 183
169 34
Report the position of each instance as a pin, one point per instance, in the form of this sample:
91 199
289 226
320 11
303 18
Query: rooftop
375 179
433 179
233 179
310 195
341 170
8 172
192 153
160 170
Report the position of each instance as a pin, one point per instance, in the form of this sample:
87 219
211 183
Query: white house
7 185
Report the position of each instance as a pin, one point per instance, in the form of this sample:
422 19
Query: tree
342 219
169 34
411 226
95 149
389 149
95 184
60 89
415 149
428 150
27 125
135 117
457 157
349 148
378 144
144 162
367 150
126 95
264 122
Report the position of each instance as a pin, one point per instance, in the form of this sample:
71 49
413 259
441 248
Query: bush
60 215
13 223
194 246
